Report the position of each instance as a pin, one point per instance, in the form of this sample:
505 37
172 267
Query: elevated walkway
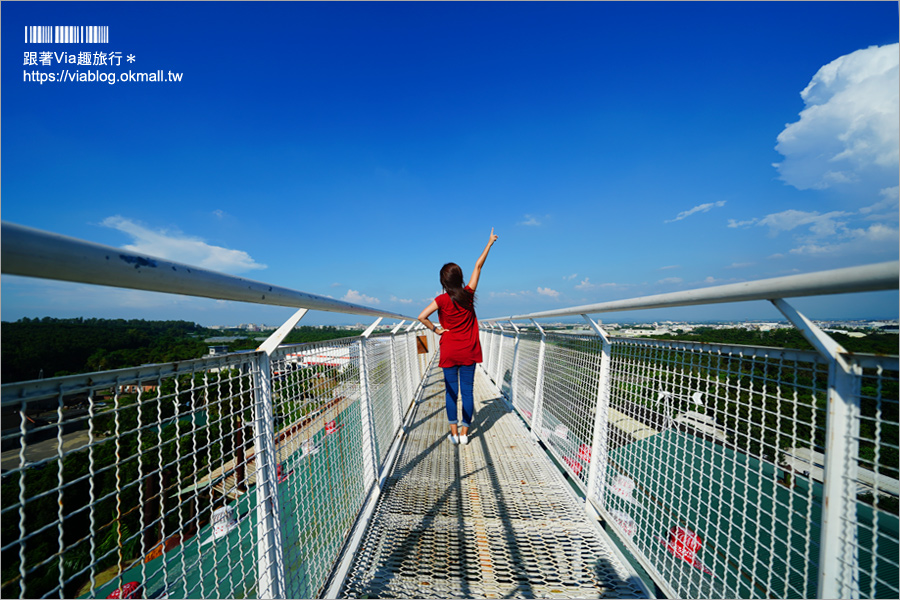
722 470
491 519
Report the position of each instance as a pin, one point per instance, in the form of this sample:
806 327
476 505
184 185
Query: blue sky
349 150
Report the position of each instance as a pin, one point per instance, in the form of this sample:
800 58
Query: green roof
760 536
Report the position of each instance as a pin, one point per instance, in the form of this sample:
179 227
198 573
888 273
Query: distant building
333 356
134 389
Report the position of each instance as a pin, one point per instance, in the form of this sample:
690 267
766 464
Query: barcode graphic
67 34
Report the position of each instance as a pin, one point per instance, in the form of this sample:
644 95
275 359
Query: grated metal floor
491 519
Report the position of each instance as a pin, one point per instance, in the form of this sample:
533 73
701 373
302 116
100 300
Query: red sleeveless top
460 344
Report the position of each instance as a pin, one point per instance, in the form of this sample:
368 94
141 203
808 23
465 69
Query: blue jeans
460 380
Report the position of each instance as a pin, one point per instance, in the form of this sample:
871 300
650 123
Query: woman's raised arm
476 272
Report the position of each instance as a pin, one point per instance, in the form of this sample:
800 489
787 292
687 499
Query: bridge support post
514 378
498 367
396 393
537 416
596 484
270 550
415 359
369 441
839 551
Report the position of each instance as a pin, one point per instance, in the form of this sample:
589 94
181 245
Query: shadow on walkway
490 519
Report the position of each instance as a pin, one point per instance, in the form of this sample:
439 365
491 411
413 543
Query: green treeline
47 347
34 348
872 343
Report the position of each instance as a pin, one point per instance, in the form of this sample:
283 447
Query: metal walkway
491 519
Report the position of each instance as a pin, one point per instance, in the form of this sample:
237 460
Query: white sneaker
463 439
453 439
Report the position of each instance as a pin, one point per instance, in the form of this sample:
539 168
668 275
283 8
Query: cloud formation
700 208
853 241
548 292
530 220
176 246
819 225
587 285
847 134
358 298
835 232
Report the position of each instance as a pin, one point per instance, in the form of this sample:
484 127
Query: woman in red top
460 346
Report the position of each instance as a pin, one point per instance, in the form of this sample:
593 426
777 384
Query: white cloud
358 298
876 237
670 280
876 233
836 232
219 213
733 223
587 285
888 205
820 225
530 220
669 267
401 300
738 265
548 292
336 285
847 134
176 246
570 277
700 208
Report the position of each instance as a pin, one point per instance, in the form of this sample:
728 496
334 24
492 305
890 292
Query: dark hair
452 281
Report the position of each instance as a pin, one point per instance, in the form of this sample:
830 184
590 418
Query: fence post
414 357
513 387
537 417
596 484
489 360
270 549
369 441
499 366
396 393
839 550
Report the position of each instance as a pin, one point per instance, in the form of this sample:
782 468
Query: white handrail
866 278
34 253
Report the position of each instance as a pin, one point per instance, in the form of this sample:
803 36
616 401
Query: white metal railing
726 471
229 476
